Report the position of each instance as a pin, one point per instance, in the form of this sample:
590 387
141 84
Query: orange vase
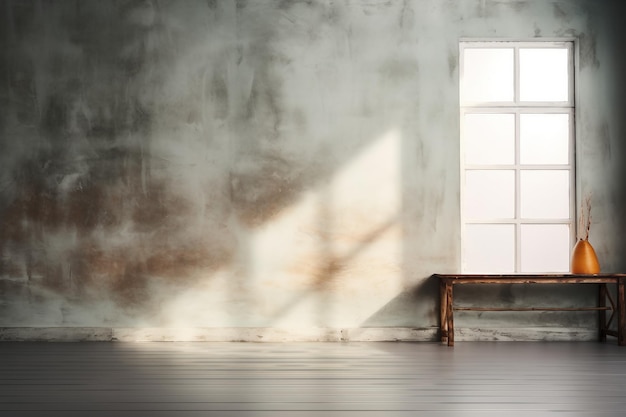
584 259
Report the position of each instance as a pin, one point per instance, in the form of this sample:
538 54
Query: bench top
530 278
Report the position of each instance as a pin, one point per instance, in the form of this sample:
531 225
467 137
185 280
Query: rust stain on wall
31 223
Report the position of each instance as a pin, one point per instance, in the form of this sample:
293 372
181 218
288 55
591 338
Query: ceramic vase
584 259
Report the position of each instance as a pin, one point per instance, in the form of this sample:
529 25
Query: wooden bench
447 307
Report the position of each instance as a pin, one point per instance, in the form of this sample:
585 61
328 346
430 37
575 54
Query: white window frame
518 107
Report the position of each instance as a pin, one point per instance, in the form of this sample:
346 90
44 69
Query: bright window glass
489 247
544 74
490 194
545 247
545 194
488 75
489 138
544 138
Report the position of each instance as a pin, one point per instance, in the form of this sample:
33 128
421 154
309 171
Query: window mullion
518 197
516 83
572 168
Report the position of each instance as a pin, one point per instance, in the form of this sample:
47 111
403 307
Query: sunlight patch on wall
335 257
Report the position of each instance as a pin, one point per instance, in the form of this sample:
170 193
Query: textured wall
264 163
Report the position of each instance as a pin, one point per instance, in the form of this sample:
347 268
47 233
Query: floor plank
312 379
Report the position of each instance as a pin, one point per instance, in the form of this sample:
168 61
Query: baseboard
247 334
232 334
56 334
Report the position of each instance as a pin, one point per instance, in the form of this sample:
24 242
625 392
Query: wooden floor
504 379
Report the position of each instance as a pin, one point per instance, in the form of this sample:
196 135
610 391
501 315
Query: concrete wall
266 164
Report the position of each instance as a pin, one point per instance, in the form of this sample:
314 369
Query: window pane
544 138
544 74
545 194
489 248
489 138
545 248
487 75
489 194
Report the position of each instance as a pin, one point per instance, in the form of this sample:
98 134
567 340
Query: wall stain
493 8
588 54
399 70
517 5
558 12
218 93
453 62
264 108
407 16
125 270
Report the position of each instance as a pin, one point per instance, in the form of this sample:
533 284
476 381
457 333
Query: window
517 156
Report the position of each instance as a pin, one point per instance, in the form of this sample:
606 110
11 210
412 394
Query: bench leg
602 313
621 316
443 312
450 314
